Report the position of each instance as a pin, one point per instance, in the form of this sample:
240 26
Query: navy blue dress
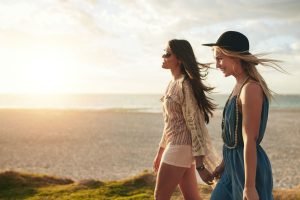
231 184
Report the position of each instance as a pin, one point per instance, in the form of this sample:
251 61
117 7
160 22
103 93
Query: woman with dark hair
185 144
245 170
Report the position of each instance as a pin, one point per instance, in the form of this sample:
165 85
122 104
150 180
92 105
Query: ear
237 60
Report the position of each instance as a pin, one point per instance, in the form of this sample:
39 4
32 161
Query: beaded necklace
236 121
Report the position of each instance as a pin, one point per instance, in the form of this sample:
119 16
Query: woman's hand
156 162
157 159
206 176
250 193
217 173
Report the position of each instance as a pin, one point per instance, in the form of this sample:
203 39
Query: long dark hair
195 73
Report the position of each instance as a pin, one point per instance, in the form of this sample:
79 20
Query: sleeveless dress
231 184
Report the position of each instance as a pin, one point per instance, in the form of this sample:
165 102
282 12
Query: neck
240 78
239 74
176 73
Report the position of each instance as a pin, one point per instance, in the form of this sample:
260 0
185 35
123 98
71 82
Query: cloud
126 37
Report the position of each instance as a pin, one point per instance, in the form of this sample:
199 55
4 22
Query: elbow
250 139
250 135
250 142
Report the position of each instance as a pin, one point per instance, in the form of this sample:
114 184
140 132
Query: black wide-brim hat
232 41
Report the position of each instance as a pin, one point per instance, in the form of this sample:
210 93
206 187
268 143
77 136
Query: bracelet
200 168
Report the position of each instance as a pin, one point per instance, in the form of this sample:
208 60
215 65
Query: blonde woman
185 144
245 170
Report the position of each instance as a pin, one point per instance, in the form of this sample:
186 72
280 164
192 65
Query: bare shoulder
252 87
252 91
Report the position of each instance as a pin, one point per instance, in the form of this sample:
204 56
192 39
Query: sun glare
46 73
44 76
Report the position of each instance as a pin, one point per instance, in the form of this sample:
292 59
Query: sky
115 46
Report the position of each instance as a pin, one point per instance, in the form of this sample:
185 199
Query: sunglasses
166 55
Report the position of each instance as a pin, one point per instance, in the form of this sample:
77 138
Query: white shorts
178 155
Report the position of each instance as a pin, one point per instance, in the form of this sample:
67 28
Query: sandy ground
110 145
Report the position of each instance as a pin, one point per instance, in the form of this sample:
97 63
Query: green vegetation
14 186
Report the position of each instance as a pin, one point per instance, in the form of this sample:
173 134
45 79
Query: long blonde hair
249 62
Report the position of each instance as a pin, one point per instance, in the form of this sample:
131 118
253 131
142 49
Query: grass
14 186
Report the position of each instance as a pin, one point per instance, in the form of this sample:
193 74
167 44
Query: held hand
250 194
206 176
217 173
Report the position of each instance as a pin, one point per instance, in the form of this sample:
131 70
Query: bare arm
251 100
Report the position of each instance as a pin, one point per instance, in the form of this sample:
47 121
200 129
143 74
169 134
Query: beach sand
110 145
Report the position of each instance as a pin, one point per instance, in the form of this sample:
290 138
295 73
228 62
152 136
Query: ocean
118 102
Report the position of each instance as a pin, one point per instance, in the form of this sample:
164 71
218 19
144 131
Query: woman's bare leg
168 178
188 185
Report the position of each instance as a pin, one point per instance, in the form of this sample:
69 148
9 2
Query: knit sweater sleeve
194 118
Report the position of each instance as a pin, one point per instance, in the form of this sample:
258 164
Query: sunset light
46 74
103 47
91 107
43 70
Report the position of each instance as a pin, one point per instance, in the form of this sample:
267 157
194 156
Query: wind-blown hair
249 62
195 73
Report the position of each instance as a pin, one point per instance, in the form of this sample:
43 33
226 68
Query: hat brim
210 44
217 45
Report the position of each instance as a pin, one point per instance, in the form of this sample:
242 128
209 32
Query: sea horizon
117 102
